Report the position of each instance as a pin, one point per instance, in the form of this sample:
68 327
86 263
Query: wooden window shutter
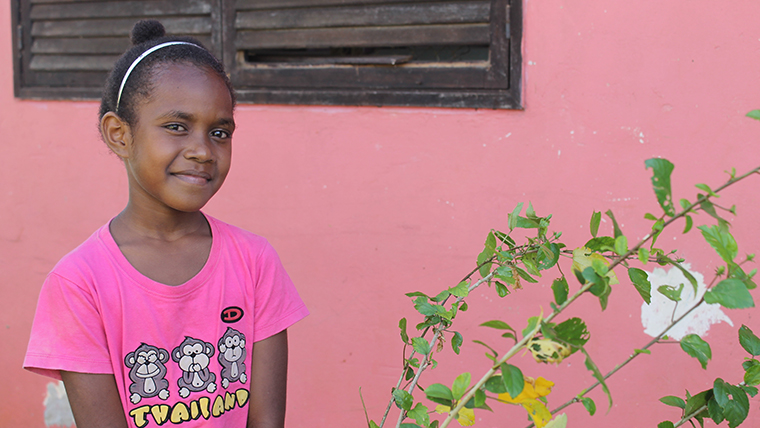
452 53
64 49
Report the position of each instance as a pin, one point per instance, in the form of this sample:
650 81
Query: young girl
166 314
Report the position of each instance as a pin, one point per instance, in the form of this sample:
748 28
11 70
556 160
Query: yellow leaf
465 418
538 412
558 422
583 257
534 388
548 351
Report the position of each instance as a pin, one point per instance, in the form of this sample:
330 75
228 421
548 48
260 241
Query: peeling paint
656 316
57 409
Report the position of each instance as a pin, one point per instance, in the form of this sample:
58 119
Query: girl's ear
116 134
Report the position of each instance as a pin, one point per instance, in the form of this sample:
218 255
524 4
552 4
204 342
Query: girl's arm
94 400
269 378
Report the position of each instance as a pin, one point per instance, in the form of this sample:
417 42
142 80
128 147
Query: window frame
506 25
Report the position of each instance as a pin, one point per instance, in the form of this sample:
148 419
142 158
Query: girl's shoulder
230 234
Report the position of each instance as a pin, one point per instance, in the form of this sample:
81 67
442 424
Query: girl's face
181 144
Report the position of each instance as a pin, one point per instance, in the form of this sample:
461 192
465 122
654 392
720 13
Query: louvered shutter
65 49
376 52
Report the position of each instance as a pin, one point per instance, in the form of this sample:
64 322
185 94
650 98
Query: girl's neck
159 225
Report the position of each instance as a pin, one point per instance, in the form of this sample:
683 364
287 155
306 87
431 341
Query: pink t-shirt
180 354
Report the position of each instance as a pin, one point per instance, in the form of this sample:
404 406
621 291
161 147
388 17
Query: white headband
140 58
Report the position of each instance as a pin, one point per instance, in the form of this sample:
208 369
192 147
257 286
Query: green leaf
695 402
748 363
461 383
501 325
561 290
597 375
749 341
697 348
671 293
495 354
478 400
596 217
689 224
403 399
722 241
602 243
514 381
709 208
615 226
547 257
650 216
440 297
687 274
408 425
621 245
504 273
705 188
514 215
750 390
662 168
440 394
421 345
589 404
372 424
665 424
402 327
754 114
424 307
524 275
714 410
672 400
640 280
642 351
572 331
496 385
643 255
456 342
461 290
731 294
532 323
736 410
501 289
420 414
752 376
417 294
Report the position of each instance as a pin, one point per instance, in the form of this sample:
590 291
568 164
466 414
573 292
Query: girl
166 314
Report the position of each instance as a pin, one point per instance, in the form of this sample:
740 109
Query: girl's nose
199 149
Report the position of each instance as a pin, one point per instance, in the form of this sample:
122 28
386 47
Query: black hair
146 34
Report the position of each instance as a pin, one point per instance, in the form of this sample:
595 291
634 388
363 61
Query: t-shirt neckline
158 287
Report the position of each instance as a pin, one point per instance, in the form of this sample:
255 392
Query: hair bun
146 30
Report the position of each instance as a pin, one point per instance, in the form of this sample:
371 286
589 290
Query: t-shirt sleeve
277 304
67 333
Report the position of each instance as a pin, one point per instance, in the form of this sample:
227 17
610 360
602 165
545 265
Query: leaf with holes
661 169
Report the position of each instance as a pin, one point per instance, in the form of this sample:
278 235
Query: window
447 53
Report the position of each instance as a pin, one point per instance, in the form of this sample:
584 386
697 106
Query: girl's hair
145 35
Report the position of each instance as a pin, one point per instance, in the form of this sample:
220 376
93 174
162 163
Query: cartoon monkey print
232 357
193 357
147 370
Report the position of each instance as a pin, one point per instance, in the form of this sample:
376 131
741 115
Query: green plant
506 265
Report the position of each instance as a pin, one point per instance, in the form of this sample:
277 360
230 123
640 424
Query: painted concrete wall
365 204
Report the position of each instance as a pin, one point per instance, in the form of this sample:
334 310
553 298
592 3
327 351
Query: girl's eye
175 127
221 134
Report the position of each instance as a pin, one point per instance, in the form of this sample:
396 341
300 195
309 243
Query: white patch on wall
656 316
57 409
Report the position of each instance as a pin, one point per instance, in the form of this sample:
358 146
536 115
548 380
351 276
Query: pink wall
365 204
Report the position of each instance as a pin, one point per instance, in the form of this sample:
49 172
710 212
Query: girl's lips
193 177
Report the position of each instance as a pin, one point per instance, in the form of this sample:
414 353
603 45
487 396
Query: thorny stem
583 289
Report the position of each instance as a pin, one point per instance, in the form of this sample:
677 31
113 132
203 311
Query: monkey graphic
147 370
232 357
193 357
